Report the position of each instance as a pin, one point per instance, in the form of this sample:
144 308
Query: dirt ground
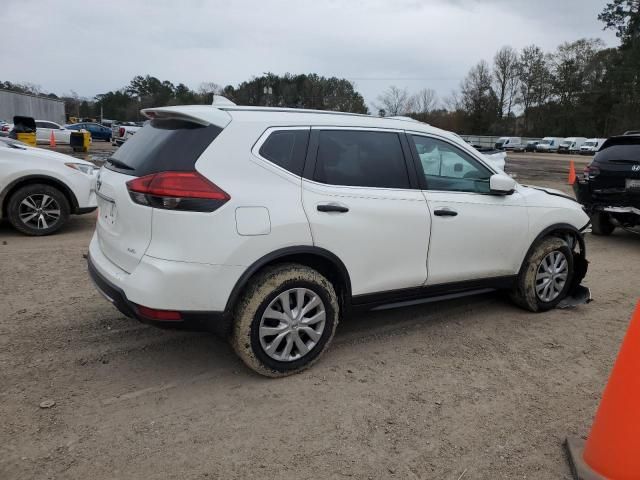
466 389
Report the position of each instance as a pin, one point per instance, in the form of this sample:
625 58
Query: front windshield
545 142
590 144
565 143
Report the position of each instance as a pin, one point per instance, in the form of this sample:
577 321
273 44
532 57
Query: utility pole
268 91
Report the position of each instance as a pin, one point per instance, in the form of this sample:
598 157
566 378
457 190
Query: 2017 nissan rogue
269 225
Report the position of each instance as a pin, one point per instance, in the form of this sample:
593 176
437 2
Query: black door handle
332 208
445 213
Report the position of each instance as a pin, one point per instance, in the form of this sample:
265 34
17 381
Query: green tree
623 16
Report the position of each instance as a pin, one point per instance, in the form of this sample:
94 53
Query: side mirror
501 184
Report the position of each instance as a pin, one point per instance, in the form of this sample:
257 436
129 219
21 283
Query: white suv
39 188
271 224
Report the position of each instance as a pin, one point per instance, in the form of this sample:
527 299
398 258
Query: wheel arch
33 179
325 262
561 230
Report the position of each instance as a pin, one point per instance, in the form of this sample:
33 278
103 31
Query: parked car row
61 133
581 145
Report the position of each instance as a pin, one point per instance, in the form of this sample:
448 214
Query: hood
551 191
50 155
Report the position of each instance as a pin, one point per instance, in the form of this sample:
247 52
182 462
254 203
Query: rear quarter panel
213 238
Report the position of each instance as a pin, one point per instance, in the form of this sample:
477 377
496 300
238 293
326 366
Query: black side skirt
444 291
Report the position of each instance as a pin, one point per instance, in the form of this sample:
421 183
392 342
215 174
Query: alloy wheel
39 211
551 276
292 324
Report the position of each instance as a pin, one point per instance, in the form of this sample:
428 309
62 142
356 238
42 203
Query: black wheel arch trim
282 254
29 179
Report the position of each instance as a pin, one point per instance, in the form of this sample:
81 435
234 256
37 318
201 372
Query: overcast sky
92 47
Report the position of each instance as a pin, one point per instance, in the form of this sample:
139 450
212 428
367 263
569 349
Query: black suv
610 187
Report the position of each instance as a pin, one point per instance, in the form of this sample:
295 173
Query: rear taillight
121 132
590 172
187 191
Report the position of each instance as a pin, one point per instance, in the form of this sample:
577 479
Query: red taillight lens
591 171
160 315
177 191
121 132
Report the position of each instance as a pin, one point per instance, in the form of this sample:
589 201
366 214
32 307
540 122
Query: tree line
296 91
582 88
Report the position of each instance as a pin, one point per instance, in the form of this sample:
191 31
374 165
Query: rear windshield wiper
117 163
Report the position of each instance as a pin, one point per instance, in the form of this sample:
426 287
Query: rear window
163 145
287 149
625 149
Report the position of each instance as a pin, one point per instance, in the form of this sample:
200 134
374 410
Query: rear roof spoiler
200 114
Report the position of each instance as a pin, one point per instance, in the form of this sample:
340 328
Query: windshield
590 144
545 142
565 143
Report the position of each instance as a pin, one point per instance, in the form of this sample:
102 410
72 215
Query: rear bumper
216 322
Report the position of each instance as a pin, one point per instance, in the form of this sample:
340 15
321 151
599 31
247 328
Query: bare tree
424 101
477 97
505 77
535 79
394 101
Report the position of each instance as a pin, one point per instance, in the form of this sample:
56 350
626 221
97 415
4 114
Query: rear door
364 206
124 226
43 131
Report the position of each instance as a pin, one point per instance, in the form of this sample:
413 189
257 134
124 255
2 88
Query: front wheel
38 209
545 277
285 320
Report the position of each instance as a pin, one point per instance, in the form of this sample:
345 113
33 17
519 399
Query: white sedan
44 129
39 188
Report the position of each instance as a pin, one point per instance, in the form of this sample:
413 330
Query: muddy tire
545 277
38 209
285 320
601 224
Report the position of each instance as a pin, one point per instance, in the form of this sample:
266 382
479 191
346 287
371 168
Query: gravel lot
474 388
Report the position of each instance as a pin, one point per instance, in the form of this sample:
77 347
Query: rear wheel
285 320
601 224
38 209
545 277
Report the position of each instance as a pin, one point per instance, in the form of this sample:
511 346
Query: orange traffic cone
612 450
52 140
572 173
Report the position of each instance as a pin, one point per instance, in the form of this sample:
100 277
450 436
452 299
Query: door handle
332 207
445 212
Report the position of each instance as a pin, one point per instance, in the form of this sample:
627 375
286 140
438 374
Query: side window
448 168
361 159
41 125
287 149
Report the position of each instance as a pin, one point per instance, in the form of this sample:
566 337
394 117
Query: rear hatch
168 143
614 174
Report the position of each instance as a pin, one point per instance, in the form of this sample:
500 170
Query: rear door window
361 159
287 149
163 145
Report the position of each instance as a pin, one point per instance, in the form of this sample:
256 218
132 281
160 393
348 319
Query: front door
474 234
